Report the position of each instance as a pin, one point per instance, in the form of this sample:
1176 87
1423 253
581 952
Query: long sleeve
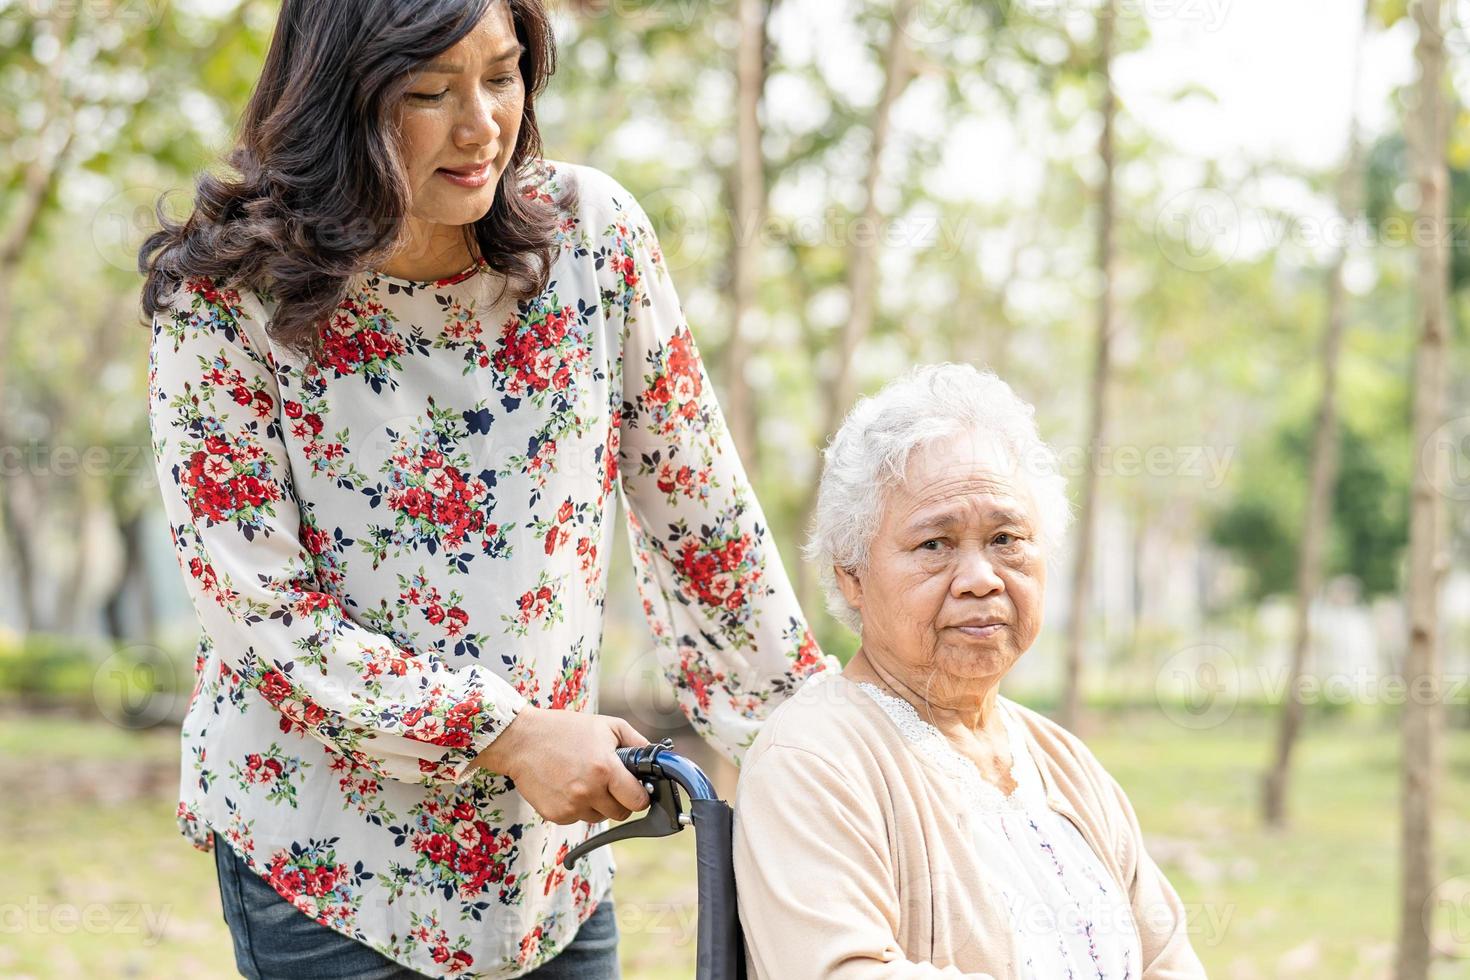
816 893
246 550
1163 926
728 631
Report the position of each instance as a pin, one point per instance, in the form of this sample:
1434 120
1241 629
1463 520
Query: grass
1318 899
99 883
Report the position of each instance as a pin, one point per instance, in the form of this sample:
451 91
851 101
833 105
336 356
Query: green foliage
1369 526
133 685
1252 528
1389 175
47 667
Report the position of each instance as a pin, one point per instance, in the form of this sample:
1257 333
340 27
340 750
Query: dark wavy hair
321 194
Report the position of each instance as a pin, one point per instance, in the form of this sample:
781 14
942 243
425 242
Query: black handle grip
720 947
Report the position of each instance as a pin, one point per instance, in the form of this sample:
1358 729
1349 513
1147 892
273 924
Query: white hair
871 449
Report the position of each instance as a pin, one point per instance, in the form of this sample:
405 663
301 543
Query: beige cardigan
852 860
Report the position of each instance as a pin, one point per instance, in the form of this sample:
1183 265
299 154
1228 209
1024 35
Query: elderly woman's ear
851 586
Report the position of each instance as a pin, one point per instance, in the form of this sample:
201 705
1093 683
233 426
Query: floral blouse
1068 916
395 547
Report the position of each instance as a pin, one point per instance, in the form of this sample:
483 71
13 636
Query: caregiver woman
902 819
399 366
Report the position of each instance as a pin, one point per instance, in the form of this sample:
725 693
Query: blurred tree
110 103
863 248
1324 459
1368 514
748 197
1097 412
1423 714
30 187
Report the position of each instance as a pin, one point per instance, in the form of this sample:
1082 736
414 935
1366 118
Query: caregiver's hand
565 764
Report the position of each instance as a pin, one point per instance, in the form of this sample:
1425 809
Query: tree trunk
1423 713
749 199
19 504
18 514
1317 517
68 613
1070 714
78 495
132 585
862 268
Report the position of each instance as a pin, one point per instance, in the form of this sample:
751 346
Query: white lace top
1069 918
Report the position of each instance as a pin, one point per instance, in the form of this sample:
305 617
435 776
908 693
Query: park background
1220 244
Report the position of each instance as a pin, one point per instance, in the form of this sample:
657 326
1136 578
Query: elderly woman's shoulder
827 716
1059 744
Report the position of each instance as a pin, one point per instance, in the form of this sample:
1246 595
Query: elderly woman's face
956 575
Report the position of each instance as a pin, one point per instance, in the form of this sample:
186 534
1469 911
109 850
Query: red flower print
274 687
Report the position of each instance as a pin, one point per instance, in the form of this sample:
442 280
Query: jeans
274 940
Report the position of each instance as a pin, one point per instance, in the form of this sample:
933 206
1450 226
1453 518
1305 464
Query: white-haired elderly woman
902 819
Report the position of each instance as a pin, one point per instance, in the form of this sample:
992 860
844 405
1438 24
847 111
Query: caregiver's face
955 578
459 122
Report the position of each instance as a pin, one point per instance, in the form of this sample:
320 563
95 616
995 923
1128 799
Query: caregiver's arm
728 632
817 895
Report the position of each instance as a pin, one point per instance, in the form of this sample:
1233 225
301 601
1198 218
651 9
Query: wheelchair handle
663 772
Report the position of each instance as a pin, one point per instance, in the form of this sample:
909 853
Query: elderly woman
902 819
